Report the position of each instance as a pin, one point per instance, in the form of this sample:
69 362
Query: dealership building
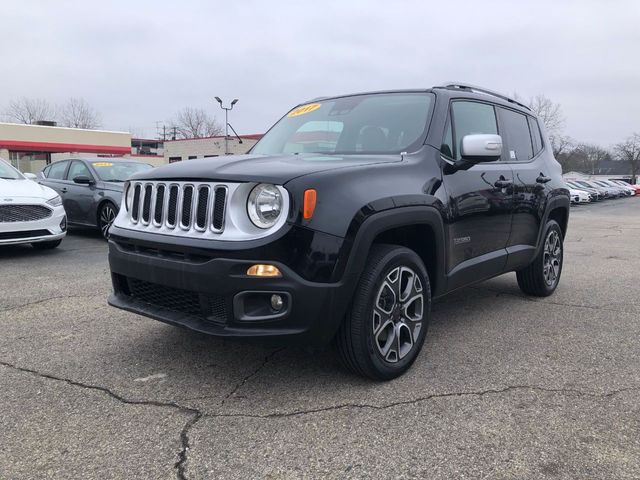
31 147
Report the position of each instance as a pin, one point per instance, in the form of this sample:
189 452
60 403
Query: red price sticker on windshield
304 109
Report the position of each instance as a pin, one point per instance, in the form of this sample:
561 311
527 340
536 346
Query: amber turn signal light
262 270
309 203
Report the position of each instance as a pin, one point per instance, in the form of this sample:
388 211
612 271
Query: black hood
277 169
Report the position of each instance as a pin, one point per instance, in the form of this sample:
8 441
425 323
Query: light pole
226 122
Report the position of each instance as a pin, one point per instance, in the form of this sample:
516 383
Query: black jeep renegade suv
344 221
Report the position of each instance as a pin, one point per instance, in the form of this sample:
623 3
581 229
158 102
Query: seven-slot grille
23 213
189 206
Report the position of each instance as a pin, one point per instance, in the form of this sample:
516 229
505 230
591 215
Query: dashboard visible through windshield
388 123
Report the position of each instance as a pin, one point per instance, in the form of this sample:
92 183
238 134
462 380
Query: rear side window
56 170
471 118
536 136
516 135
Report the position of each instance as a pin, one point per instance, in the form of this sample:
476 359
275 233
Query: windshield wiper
113 180
8 178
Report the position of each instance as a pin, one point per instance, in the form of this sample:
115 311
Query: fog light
63 224
276 302
262 270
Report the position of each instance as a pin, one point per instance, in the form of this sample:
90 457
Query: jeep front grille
23 213
184 206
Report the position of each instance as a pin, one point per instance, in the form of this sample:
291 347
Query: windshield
7 172
373 124
118 171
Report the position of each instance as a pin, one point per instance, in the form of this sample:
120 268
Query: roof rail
475 88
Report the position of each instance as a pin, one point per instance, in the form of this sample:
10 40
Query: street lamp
226 122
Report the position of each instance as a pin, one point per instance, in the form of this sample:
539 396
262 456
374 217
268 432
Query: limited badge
304 109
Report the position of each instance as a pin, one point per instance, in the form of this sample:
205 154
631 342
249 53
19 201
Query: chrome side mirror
481 147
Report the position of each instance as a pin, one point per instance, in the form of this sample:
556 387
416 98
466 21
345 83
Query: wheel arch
419 228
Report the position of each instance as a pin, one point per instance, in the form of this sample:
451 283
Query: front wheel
541 277
106 216
386 325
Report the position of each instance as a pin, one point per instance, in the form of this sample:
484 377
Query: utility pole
226 122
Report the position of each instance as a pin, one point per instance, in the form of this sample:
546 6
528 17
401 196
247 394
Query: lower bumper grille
212 308
24 234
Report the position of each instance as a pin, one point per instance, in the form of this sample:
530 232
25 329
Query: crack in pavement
562 391
240 384
48 299
197 414
184 438
549 302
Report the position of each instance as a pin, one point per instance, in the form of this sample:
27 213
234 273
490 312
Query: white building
192 148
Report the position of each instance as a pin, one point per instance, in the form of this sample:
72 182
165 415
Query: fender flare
553 203
357 250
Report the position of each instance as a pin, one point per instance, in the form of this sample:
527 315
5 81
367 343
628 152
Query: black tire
358 346
536 279
46 245
106 216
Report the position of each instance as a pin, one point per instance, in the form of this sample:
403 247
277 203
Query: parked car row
36 209
592 190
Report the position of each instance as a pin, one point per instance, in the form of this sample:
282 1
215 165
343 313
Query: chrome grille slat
202 208
219 209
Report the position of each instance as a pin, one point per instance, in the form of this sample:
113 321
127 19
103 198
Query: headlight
55 201
264 205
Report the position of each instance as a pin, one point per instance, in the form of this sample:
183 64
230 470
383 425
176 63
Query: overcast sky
139 62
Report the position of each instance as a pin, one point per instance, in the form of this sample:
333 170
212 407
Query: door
479 200
522 146
54 177
78 200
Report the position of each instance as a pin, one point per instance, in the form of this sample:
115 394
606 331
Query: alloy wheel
398 314
552 258
107 216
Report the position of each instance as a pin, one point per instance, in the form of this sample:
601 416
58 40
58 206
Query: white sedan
29 212
579 196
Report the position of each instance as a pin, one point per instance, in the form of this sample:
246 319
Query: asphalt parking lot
506 387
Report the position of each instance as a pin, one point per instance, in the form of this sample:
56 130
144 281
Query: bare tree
77 113
629 151
549 112
195 123
29 110
591 155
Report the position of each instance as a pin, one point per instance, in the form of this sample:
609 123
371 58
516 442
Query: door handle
502 183
542 179
63 190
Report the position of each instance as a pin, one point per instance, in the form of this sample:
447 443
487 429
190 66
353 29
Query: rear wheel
541 277
386 325
46 245
106 216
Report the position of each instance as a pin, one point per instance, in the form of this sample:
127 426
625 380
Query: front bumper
216 297
46 230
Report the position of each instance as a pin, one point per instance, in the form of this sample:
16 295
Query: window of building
192 157
210 156
472 118
174 159
516 135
